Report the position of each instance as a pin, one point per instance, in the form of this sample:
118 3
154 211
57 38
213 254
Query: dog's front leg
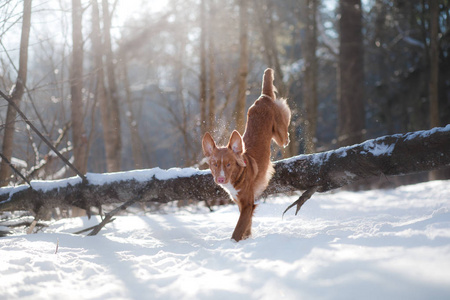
244 225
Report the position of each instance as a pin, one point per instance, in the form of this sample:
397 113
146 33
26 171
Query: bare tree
79 137
113 154
351 117
211 55
203 67
310 98
268 26
433 89
243 66
434 64
136 143
101 92
17 93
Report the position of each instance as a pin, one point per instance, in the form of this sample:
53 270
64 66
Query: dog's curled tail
267 84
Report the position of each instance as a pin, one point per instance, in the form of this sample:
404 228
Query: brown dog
243 168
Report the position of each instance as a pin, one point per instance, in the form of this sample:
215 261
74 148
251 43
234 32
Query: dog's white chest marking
229 188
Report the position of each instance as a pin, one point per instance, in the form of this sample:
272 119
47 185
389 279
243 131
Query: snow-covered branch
397 154
389 155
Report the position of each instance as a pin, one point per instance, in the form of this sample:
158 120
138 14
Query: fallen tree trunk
389 155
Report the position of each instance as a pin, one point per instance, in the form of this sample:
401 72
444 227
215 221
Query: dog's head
224 162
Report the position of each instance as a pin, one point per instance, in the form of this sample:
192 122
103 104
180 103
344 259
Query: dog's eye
215 164
228 165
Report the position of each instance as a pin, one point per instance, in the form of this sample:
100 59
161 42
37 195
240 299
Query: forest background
122 85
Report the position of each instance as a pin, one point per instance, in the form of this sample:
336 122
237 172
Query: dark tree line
138 91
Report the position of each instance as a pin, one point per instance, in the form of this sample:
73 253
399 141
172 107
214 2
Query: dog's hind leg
282 119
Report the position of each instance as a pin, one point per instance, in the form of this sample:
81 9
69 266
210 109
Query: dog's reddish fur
243 168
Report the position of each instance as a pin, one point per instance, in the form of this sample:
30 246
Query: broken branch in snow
389 155
302 199
90 228
109 216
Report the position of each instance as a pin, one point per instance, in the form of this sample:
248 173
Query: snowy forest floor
378 244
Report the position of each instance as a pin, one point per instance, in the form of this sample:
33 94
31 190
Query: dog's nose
220 179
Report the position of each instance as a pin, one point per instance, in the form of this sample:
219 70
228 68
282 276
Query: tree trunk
351 117
379 67
114 153
203 96
211 55
8 137
79 137
389 155
434 64
188 151
267 28
136 142
100 90
310 99
239 110
434 74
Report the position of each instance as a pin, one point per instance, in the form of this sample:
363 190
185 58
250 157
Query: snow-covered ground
381 244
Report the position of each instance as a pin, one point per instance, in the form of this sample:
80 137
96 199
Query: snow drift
381 244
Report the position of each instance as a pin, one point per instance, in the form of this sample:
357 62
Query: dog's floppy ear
208 145
237 146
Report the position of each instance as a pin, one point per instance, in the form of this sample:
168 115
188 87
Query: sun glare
130 9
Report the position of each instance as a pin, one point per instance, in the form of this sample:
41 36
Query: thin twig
31 228
14 169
